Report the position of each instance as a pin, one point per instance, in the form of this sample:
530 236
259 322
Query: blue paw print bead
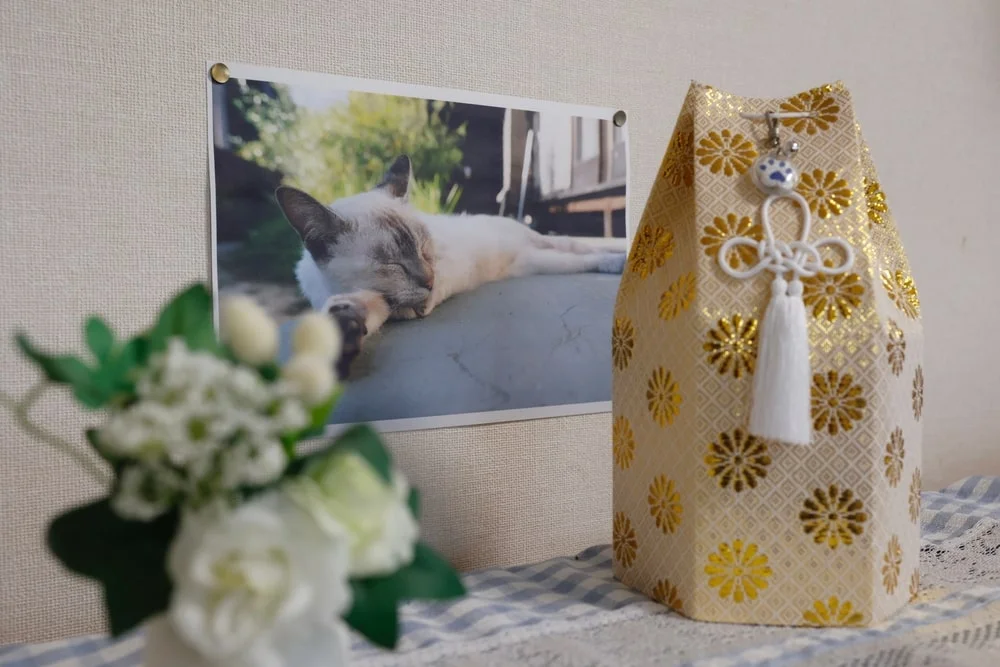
774 175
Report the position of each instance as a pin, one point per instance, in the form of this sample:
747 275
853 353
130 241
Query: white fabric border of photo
336 82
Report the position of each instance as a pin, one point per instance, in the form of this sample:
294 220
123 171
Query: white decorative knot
800 258
781 385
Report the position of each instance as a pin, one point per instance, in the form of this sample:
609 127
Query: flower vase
324 645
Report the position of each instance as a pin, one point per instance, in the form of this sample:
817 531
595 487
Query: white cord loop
800 258
781 410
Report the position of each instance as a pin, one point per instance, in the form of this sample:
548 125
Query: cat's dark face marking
373 240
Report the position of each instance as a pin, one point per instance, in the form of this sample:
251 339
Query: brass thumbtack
619 118
219 73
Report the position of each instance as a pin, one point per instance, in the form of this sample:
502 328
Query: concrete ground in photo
530 342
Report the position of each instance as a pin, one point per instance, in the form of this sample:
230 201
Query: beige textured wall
103 205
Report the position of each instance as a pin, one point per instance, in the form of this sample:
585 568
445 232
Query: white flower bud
248 330
316 333
311 377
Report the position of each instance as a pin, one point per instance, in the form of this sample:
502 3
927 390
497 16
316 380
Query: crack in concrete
455 356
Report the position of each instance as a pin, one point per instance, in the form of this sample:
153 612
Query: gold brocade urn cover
710 519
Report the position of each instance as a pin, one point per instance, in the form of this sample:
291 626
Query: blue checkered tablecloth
565 590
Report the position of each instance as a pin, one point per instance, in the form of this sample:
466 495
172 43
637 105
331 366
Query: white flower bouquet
229 544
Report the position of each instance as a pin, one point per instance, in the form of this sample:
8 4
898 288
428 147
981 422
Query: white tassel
782 379
781 386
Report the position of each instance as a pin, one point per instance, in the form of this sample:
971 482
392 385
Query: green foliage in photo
341 151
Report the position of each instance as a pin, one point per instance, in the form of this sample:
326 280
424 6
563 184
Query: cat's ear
396 180
316 225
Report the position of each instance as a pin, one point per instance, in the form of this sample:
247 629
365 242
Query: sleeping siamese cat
371 257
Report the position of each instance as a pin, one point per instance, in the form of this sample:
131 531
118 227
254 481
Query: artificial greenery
127 558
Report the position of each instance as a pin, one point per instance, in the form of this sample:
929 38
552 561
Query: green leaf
269 372
127 558
188 315
134 353
100 340
88 386
414 503
374 614
364 441
63 369
428 577
319 415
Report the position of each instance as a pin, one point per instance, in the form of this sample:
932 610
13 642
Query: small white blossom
311 376
290 416
144 493
317 334
343 492
219 424
253 462
254 585
141 432
248 330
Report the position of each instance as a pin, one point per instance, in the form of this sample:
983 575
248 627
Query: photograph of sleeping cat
469 247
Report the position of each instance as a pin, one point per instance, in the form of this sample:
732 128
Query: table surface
571 612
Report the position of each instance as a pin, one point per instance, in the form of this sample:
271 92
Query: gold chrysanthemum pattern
665 504
892 562
622 442
902 291
914 584
696 332
732 345
623 540
837 402
893 459
678 297
663 398
914 499
878 210
833 516
725 152
896 349
832 296
666 593
918 393
833 613
622 342
739 571
723 229
818 102
827 193
678 167
737 460
653 246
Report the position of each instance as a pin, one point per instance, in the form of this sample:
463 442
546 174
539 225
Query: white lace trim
972 559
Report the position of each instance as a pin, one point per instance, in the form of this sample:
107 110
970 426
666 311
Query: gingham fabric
580 590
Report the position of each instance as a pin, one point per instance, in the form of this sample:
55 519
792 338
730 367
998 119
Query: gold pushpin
219 72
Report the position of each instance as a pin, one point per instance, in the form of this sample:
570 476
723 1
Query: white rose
317 644
343 492
311 377
253 583
248 330
316 333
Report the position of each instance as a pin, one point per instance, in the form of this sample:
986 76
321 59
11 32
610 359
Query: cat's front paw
350 316
612 262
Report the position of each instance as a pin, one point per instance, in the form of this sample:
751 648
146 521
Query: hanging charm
781 408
